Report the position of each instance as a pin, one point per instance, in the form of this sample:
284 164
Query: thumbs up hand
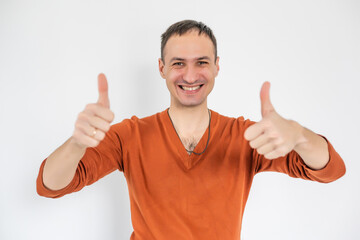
273 136
92 123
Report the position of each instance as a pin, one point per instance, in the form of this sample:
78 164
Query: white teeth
190 88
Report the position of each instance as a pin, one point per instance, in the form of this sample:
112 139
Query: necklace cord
207 143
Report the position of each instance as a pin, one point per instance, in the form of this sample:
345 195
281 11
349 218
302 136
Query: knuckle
77 134
94 143
102 136
279 152
89 106
82 116
108 115
78 125
252 144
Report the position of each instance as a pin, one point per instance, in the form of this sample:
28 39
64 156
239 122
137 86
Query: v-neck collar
189 160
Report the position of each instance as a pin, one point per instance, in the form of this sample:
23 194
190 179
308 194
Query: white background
52 51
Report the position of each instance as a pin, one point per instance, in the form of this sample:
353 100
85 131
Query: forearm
61 165
312 148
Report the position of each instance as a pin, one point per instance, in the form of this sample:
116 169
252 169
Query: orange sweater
178 196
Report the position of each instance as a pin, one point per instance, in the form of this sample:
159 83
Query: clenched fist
273 136
92 123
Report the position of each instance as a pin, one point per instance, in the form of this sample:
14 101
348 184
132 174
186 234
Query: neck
190 121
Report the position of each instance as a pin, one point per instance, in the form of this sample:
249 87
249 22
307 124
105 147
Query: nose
191 74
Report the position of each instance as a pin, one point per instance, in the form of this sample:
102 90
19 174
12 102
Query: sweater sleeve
293 165
95 164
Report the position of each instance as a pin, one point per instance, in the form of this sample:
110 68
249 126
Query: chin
191 103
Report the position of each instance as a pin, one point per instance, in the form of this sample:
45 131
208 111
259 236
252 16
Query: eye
178 64
203 63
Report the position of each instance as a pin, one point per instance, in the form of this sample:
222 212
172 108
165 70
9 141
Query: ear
217 66
161 68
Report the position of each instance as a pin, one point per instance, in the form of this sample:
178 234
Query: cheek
207 74
174 76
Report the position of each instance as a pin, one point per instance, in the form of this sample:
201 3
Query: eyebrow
183 59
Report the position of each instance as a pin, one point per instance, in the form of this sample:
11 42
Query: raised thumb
266 106
103 91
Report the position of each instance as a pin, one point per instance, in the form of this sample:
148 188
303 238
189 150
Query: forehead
190 45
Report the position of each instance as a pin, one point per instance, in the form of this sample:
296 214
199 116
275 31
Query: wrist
300 136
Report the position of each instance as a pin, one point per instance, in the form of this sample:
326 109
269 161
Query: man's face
189 68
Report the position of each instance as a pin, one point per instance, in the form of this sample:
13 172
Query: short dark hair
183 27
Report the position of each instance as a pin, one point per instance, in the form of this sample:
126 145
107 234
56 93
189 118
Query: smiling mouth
190 88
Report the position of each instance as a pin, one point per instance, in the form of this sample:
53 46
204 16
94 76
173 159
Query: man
189 169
